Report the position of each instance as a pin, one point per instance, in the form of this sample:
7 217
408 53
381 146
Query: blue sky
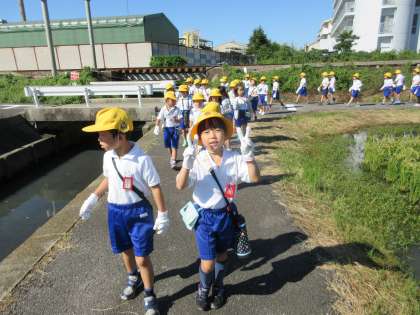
294 22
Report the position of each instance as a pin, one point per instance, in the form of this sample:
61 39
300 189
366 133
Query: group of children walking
207 120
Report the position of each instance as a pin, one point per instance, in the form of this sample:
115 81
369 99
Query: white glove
189 153
87 206
156 130
247 146
161 222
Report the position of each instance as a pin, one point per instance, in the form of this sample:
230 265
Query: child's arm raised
187 164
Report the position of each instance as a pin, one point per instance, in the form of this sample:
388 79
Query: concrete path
281 277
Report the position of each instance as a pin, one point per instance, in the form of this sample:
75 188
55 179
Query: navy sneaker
151 305
132 289
218 299
202 299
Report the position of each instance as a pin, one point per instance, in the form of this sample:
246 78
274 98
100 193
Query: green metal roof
107 30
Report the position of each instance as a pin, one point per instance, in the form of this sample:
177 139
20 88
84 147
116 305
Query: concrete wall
109 56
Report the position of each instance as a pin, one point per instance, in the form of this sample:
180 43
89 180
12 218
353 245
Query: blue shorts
413 90
388 91
355 93
417 91
171 137
131 226
275 95
331 90
324 92
242 119
185 120
303 91
254 103
261 99
228 115
214 233
398 89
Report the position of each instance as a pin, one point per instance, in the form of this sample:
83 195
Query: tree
345 42
258 41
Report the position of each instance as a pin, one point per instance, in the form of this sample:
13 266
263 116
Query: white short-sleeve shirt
136 165
262 89
194 114
232 171
169 116
276 86
184 103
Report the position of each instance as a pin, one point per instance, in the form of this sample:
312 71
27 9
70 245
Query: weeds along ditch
376 204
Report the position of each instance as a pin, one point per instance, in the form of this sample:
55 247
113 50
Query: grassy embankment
11 88
365 219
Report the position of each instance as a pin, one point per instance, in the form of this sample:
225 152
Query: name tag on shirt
230 191
128 183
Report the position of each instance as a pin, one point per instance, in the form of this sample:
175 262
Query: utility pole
22 10
90 29
48 34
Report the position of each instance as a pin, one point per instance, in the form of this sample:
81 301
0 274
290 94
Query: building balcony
345 9
389 3
386 29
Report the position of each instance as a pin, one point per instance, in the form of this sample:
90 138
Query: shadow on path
290 269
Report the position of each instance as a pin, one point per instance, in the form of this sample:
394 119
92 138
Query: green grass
11 88
367 208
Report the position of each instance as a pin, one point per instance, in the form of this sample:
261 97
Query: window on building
417 3
414 26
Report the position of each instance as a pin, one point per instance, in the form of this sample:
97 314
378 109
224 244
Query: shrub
167 61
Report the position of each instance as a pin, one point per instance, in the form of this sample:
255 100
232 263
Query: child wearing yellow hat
399 86
387 88
184 104
253 97
331 87
415 86
275 91
170 116
302 90
215 229
262 89
204 89
246 83
355 89
195 87
198 102
323 88
130 214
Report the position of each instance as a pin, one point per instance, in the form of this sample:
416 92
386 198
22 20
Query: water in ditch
37 194
411 256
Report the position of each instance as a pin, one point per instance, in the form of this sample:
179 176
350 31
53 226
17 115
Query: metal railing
88 91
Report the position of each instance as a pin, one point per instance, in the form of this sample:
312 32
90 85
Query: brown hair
211 123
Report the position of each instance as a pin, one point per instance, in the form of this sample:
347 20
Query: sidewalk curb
17 265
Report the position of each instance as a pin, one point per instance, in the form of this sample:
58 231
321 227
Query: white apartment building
381 24
324 41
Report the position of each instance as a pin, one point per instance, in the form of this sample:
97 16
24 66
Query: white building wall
367 15
380 24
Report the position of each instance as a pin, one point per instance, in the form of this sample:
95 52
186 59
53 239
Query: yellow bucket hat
198 97
205 115
189 80
169 87
215 93
171 95
197 81
109 119
223 80
183 88
211 107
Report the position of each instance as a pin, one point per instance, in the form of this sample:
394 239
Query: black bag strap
213 174
135 189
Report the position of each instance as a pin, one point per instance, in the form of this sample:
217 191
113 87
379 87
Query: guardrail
88 91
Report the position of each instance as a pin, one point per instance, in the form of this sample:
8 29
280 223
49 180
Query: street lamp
90 29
